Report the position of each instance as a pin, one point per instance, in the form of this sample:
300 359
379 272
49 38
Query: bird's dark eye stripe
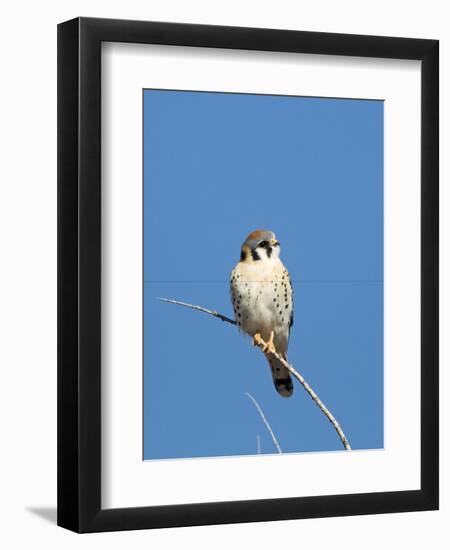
255 255
263 244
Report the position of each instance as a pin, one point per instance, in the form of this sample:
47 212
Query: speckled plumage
261 293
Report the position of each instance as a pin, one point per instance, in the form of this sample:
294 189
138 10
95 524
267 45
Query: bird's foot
269 347
257 339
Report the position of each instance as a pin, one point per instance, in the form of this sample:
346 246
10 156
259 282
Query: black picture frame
79 274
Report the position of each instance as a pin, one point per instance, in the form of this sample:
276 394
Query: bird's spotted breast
262 300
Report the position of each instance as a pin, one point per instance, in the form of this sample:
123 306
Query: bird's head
260 245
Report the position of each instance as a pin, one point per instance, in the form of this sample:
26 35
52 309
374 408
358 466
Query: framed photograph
248 274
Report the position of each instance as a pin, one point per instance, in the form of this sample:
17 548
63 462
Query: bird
262 297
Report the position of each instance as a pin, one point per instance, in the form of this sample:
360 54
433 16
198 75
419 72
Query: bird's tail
281 377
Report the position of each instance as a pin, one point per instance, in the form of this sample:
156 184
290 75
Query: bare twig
288 366
258 444
264 419
314 397
200 308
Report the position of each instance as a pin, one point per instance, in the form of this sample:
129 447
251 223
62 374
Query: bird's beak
274 242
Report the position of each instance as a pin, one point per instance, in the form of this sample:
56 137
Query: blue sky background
216 167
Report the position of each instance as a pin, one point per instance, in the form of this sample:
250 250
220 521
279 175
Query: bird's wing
291 320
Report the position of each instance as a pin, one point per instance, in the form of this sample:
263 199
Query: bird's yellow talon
269 347
256 339
266 347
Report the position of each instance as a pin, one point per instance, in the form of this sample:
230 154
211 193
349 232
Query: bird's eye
263 244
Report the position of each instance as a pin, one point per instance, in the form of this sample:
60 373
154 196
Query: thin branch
288 366
264 419
200 308
314 397
258 444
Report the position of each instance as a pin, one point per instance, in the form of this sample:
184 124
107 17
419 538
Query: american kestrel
261 293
